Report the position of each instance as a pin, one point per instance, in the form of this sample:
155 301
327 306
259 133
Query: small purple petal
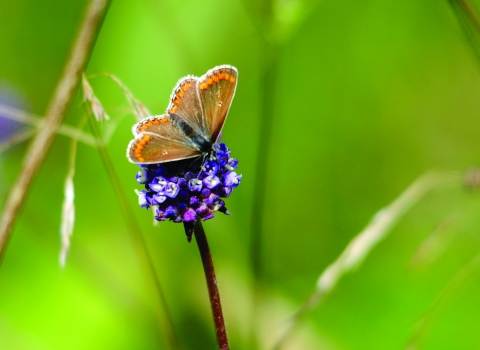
233 162
159 197
218 205
182 182
195 185
142 176
223 147
211 199
158 184
211 182
182 207
189 215
210 168
172 189
194 200
205 192
231 179
142 199
160 215
225 192
171 211
202 209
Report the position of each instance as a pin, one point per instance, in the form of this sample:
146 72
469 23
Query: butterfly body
193 121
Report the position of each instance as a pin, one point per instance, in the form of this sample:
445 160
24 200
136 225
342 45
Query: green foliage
368 95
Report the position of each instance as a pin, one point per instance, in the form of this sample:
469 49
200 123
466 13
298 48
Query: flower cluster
190 189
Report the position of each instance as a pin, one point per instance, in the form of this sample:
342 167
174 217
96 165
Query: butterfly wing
216 90
202 103
185 102
157 140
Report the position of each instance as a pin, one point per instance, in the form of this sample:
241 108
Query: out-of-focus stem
63 95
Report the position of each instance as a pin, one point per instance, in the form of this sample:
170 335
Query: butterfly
193 120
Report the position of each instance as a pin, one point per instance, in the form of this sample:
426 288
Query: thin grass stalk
364 242
469 22
59 103
269 70
211 279
465 274
21 116
16 138
68 208
134 230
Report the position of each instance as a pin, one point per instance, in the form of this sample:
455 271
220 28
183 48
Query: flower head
189 189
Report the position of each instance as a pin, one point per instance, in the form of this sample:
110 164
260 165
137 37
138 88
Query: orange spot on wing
209 81
203 86
232 79
215 78
172 110
221 76
227 76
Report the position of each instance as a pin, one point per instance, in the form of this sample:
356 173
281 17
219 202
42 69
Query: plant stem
212 285
139 243
364 242
63 95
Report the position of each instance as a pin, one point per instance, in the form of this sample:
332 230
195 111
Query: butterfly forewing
216 89
185 102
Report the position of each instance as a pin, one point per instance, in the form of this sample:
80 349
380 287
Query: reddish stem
212 285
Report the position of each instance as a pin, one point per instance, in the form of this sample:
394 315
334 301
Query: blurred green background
340 106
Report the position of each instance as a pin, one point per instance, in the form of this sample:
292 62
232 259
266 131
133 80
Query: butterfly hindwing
157 140
148 148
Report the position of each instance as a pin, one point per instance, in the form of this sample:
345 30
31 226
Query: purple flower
142 176
158 184
142 199
211 168
195 185
231 179
172 189
186 190
211 181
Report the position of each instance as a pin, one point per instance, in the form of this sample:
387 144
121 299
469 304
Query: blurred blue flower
9 98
